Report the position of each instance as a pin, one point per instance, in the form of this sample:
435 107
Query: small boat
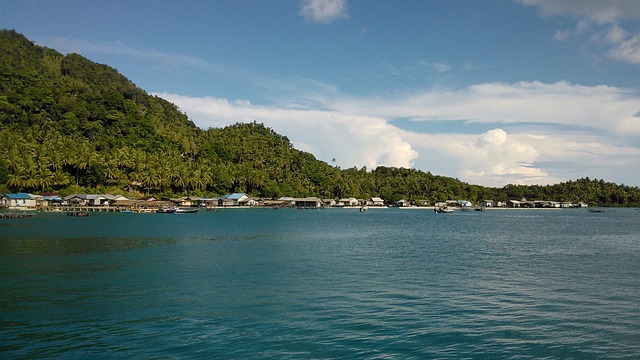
363 209
166 210
186 210
443 210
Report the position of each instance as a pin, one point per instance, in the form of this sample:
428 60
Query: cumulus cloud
323 11
493 158
497 158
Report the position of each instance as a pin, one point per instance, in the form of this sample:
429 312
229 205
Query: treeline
69 125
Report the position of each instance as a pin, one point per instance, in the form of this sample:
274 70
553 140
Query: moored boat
442 210
186 210
166 210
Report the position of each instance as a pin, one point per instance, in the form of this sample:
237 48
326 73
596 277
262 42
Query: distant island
71 126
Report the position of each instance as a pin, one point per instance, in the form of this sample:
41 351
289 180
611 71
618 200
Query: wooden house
19 201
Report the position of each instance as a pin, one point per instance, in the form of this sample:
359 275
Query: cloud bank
535 133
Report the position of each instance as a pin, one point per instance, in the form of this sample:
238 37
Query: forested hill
68 125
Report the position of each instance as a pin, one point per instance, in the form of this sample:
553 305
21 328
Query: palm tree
179 177
16 181
60 178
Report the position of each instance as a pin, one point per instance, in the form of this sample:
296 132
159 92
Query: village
116 203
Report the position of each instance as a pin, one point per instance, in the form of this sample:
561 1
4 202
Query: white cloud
493 158
600 20
119 48
602 108
437 67
599 11
628 51
558 131
323 11
497 158
615 35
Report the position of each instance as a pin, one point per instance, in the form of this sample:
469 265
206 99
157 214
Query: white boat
442 210
186 210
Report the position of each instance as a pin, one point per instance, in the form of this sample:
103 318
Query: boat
364 208
166 210
186 210
442 210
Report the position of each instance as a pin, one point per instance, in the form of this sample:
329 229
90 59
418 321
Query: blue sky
491 92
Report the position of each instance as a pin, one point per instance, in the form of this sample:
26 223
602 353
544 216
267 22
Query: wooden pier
78 213
98 209
84 208
16 215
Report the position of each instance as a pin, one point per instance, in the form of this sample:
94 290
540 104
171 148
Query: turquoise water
335 283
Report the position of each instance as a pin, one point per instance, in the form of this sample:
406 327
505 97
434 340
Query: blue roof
18 196
234 196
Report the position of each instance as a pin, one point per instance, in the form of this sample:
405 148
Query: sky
487 91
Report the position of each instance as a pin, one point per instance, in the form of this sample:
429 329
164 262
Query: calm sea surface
335 283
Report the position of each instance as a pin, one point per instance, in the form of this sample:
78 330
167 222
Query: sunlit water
335 283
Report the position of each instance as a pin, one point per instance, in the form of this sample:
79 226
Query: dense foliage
68 124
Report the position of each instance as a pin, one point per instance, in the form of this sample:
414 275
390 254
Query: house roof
84 197
114 197
18 196
125 202
309 199
52 198
234 196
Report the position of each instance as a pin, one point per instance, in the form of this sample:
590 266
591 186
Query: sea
322 284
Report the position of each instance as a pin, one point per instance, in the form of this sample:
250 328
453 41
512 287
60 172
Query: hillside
68 124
